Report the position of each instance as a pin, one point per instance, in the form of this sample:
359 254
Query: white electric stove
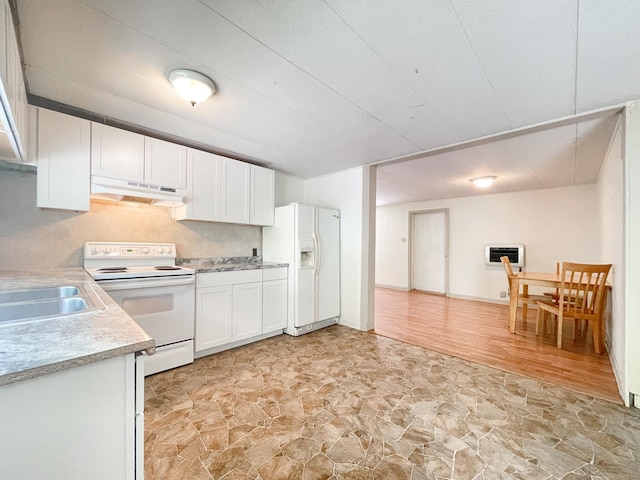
160 296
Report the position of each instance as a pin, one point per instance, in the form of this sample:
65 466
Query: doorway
428 262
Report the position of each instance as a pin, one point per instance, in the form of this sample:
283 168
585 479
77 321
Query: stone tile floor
345 404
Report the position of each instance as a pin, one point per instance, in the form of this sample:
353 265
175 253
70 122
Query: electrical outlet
503 294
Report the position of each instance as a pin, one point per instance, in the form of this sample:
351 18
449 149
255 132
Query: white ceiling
312 87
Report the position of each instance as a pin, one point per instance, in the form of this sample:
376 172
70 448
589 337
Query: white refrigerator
308 239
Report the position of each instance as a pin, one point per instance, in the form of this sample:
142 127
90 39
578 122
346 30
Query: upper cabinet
62 147
235 191
221 189
202 200
262 196
13 95
116 153
125 155
165 163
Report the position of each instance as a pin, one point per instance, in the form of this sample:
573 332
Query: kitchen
60 235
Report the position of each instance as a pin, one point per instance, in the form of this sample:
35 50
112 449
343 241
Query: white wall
554 224
610 190
348 191
288 189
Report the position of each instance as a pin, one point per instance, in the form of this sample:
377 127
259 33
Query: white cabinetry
202 200
221 189
125 155
262 196
235 185
116 153
238 307
274 299
165 163
85 422
214 319
13 95
62 146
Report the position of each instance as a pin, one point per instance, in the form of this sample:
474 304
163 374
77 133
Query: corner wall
349 192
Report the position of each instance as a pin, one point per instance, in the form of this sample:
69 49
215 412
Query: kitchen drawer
274 273
216 279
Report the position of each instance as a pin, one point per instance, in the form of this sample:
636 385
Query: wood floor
478 332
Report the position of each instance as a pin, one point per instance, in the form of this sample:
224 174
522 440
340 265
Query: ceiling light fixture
194 87
483 182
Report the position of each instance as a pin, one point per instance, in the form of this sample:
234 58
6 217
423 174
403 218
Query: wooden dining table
543 279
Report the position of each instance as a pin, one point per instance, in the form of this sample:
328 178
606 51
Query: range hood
127 191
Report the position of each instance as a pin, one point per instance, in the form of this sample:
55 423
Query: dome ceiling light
483 182
194 87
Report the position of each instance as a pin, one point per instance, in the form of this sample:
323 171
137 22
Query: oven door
163 306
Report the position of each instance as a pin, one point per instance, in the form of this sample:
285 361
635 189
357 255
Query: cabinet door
117 153
235 184
247 310
274 305
63 160
202 201
59 416
213 317
165 163
262 196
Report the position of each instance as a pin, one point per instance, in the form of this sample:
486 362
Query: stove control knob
95 250
145 250
169 251
160 250
106 250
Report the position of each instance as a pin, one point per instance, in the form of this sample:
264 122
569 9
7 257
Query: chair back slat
583 288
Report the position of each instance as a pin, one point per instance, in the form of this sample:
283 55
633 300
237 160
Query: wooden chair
524 298
581 297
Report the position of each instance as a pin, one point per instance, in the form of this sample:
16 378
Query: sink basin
25 305
27 295
47 308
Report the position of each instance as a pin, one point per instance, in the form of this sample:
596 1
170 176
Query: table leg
514 288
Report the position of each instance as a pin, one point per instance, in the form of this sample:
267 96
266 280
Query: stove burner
113 269
167 267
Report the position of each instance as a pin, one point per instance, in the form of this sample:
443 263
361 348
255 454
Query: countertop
40 347
227 264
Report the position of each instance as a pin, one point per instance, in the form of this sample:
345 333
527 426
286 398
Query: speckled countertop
226 264
40 347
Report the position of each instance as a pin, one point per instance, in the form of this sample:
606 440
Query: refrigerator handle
316 248
316 274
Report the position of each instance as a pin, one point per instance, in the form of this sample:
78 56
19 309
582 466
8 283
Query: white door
429 251
247 310
328 263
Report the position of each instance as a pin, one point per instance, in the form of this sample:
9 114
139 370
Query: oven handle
127 284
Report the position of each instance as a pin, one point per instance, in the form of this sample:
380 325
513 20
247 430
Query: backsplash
39 238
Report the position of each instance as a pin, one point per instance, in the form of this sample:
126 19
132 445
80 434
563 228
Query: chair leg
576 327
559 334
525 294
598 341
540 316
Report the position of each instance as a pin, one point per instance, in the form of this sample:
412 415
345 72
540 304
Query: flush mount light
194 87
483 182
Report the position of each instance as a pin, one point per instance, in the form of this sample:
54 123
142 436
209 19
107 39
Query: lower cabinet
239 306
85 422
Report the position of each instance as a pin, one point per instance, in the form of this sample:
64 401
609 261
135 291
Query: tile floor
345 404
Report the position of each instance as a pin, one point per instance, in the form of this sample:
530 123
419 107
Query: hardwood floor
478 332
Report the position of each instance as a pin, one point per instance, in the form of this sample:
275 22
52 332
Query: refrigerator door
328 263
305 261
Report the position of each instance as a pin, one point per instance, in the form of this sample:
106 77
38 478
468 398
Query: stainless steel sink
37 294
25 305
47 308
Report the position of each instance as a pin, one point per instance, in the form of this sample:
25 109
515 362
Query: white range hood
127 191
